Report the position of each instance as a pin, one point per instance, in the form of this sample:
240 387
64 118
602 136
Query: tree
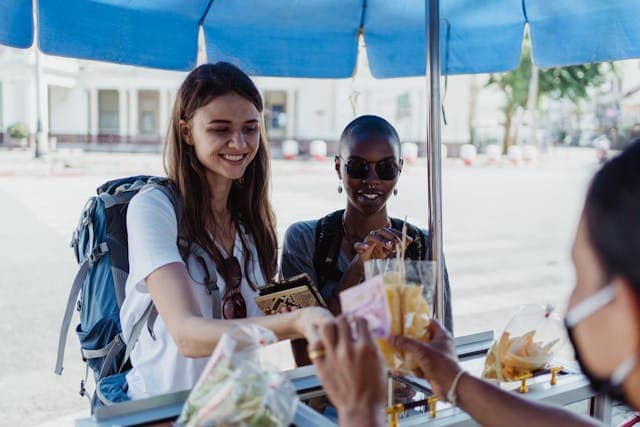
572 83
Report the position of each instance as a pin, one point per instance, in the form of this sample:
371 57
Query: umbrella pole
38 75
434 161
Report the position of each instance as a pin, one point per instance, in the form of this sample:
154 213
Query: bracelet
451 394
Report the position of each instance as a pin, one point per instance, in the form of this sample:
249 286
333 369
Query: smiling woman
225 134
219 240
333 249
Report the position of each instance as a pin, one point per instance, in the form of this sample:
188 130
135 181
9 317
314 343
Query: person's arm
352 276
486 403
196 335
157 267
490 405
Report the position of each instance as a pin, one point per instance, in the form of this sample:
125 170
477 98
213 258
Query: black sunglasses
386 169
233 304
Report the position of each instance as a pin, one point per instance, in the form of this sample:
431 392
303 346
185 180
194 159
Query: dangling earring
241 180
395 191
339 188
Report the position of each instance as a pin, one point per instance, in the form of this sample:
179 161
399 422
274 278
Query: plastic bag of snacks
237 389
528 343
409 289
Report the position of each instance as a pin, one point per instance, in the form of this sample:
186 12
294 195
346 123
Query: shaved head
369 125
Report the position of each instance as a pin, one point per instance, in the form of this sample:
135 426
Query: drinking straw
403 250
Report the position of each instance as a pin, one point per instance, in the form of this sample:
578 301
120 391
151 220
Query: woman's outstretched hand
309 320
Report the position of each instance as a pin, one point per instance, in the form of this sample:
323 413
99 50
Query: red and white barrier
494 154
290 149
468 154
514 154
318 149
410 152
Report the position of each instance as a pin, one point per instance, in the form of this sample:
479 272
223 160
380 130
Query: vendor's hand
351 371
379 244
309 320
437 360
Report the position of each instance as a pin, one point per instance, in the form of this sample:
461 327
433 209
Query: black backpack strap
328 239
418 249
169 189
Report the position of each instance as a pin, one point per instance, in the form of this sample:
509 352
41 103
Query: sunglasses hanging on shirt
233 304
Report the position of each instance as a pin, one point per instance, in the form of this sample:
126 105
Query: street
508 232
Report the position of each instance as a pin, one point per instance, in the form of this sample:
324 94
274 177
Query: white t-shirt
158 366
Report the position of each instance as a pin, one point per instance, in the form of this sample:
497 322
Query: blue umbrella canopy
319 38
16 23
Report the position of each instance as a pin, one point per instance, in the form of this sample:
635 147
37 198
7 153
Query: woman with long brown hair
219 237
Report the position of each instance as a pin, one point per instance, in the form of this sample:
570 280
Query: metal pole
434 173
38 73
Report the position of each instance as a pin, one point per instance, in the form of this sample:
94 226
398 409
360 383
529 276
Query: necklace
350 237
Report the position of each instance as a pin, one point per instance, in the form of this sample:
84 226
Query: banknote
369 300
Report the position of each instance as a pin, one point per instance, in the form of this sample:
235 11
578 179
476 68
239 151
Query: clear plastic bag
529 342
237 389
410 288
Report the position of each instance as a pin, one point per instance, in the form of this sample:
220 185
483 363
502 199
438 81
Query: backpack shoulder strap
417 250
135 332
169 189
71 303
327 248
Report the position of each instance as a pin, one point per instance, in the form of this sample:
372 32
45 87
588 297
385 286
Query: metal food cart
571 388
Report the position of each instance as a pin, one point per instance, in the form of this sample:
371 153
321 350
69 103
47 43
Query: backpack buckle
94 255
97 253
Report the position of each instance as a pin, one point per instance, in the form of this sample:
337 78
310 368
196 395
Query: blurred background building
100 106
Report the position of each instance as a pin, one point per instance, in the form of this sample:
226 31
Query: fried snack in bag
517 353
236 389
410 318
410 286
394 299
391 308
416 320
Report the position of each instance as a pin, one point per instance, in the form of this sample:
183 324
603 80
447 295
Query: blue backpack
98 290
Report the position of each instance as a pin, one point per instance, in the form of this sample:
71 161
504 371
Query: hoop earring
241 180
339 188
395 191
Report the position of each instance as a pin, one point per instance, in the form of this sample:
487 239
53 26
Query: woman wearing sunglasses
333 249
217 160
602 320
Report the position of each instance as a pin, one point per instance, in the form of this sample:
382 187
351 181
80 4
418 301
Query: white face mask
612 385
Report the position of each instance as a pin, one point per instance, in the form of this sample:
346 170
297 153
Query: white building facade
86 102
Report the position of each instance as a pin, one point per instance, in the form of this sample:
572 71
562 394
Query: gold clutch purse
299 291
